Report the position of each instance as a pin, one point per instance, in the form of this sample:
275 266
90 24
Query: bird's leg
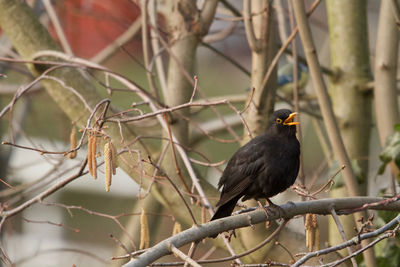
273 208
241 205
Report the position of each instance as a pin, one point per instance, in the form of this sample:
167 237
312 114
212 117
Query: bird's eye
278 121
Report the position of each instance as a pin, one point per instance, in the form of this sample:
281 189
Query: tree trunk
261 36
385 89
352 106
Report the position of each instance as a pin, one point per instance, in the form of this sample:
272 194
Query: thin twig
183 256
191 251
156 46
194 89
120 244
176 189
178 169
119 42
114 218
146 47
343 234
57 26
44 194
275 61
330 182
285 249
78 146
248 25
228 58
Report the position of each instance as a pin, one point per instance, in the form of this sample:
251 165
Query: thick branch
322 207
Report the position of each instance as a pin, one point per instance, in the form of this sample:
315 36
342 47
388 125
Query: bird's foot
274 209
230 234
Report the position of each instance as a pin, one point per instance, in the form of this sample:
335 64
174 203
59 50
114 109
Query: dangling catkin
108 164
144 231
312 232
114 159
316 232
89 157
94 162
308 226
72 140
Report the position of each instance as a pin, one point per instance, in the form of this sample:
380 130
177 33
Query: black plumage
265 166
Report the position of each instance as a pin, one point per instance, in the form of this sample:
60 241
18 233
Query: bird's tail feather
224 210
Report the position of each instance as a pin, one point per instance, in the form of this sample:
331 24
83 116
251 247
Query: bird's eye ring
278 121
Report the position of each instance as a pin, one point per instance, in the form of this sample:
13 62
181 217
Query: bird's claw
272 209
275 210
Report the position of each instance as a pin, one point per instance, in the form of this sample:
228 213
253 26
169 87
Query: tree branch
321 207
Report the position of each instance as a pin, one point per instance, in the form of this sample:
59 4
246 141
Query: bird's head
281 122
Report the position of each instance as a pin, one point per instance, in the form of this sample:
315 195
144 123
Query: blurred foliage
391 151
388 250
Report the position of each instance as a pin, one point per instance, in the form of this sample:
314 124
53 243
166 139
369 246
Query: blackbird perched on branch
262 168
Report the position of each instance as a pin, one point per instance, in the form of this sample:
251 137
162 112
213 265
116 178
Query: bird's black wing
241 169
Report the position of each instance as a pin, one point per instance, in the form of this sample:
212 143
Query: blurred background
109 33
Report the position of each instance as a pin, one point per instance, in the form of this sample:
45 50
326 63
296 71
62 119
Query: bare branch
248 25
343 234
183 256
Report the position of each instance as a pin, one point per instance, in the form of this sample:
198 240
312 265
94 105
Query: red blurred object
90 25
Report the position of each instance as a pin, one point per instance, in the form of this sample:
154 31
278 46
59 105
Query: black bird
264 167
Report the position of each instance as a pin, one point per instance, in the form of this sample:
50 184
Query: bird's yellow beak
289 121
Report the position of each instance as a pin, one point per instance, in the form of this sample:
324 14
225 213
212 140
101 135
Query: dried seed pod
177 228
89 157
94 162
108 164
144 231
72 140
